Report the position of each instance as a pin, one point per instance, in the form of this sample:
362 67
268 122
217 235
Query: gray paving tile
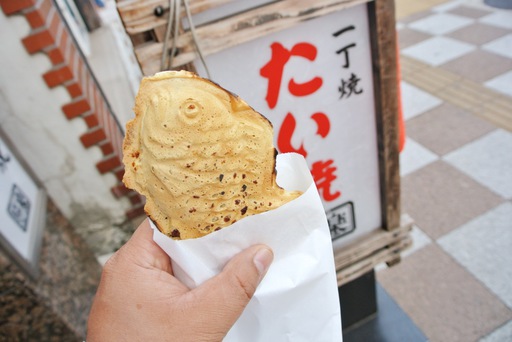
468 11
503 333
478 33
414 157
500 46
487 160
446 128
408 37
438 50
445 301
416 101
448 6
440 198
416 16
440 23
483 247
419 240
499 18
479 66
501 83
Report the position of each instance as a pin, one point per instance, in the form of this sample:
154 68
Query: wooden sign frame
146 30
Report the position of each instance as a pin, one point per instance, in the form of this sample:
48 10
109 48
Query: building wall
55 112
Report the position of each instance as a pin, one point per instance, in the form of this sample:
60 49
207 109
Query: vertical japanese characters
324 171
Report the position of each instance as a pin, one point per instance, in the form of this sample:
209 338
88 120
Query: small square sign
22 209
341 220
18 207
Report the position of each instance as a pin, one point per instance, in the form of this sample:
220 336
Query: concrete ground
456 62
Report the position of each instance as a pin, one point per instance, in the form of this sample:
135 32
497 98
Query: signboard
314 82
22 210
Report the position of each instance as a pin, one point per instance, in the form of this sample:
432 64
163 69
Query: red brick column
50 35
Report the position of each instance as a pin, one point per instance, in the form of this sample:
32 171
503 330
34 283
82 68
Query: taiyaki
201 156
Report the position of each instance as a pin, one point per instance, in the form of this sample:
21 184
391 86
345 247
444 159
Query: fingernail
262 260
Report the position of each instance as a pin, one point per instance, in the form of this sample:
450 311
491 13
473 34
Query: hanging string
173 22
194 37
177 12
165 55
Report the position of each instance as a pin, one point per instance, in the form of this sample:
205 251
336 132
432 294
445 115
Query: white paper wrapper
298 298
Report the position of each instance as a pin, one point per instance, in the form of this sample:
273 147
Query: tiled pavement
456 60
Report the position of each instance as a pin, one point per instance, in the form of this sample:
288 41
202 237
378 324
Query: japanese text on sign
314 82
323 171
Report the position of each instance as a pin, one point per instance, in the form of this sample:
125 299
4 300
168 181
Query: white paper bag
298 298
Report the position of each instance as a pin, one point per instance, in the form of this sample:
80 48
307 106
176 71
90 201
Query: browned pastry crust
201 156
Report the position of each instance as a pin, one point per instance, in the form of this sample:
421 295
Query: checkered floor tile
416 101
464 39
456 171
414 157
488 160
483 247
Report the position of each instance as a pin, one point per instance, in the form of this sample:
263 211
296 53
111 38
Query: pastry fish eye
191 108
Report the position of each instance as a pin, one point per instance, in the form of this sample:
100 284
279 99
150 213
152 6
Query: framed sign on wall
22 209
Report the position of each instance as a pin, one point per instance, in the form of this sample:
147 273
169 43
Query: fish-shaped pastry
201 156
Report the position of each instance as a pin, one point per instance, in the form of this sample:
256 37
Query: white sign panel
20 207
314 83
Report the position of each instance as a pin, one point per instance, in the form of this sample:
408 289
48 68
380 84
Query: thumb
225 296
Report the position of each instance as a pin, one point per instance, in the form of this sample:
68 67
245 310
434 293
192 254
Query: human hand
139 299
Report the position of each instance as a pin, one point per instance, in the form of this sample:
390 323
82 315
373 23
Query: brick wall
49 35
